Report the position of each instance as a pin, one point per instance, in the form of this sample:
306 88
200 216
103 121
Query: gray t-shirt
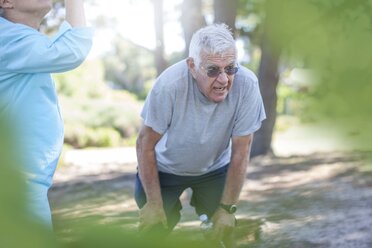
197 132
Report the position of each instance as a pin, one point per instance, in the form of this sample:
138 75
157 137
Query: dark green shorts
207 191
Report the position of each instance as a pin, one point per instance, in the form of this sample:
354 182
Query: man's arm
75 14
241 147
152 213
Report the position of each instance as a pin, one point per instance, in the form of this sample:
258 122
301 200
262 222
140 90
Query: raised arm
24 50
75 14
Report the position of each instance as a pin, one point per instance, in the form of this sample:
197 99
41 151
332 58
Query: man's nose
222 77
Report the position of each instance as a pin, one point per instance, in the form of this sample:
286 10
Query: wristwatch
229 208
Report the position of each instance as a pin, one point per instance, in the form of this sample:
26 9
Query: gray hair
212 39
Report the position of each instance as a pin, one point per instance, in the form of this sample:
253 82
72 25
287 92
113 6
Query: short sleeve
250 112
158 108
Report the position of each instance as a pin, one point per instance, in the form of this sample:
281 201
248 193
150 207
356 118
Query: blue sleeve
24 50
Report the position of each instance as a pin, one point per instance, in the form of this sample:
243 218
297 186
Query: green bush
101 122
86 81
80 136
94 114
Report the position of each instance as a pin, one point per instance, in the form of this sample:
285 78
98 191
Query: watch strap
230 208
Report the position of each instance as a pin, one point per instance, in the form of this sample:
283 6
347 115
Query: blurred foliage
85 82
129 66
17 229
100 122
94 114
293 94
330 38
334 39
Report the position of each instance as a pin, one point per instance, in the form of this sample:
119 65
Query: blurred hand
223 224
151 215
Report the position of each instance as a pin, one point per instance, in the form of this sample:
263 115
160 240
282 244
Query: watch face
232 209
229 208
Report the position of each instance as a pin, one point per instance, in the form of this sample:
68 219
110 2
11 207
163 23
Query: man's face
216 86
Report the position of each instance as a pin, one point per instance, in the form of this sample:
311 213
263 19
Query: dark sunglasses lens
213 72
231 71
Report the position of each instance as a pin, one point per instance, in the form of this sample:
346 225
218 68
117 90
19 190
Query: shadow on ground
318 200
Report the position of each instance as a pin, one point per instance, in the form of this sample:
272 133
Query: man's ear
6 4
191 65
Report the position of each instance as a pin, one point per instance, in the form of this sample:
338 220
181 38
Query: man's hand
151 215
223 224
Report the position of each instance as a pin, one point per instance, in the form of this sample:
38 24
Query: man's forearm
75 14
234 181
237 170
148 173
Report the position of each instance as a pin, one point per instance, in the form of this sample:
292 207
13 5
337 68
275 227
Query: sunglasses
214 71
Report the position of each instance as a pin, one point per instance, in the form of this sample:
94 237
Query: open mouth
220 89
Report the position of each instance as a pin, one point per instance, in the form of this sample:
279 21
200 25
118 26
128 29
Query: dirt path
318 200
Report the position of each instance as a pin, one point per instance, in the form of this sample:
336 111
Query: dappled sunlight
121 18
91 160
320 200
308 138
309 200
290 172
113 209
289 179
105 208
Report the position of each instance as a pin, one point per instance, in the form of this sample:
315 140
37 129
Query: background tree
225 12
192 19
129 66
160 62
268 77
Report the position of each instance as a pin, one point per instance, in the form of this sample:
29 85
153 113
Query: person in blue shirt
28 97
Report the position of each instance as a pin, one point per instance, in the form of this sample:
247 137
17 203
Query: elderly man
28 97
199 121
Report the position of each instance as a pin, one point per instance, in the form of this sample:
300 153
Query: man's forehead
226 58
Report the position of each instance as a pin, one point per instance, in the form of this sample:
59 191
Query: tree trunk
268 77
160 62
225 12
191 19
